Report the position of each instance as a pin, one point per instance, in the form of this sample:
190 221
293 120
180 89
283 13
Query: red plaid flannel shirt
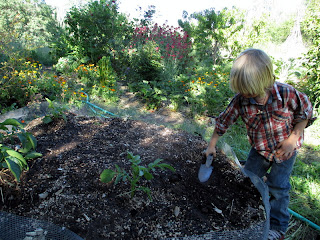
267 125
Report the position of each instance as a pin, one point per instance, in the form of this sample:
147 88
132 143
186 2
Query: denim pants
278 181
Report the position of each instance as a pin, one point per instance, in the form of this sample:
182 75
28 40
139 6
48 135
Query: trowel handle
209 160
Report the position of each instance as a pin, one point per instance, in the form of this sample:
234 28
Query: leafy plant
137 172
151 93
96 29
16 159
55 112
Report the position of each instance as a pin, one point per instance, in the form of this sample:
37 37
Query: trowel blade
205 169
204 173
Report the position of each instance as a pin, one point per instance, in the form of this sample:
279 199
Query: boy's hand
211 150
286 149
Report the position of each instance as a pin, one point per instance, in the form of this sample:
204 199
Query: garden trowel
206 169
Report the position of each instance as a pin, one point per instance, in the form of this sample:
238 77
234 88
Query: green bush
67 64
26 29
311 25
97 29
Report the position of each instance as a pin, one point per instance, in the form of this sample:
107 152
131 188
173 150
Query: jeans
278 181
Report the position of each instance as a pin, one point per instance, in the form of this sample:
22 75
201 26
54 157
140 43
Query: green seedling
54 112
136 173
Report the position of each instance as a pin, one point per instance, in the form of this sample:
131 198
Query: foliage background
98 51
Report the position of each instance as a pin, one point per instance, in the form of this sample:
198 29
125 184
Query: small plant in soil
137 172
55 112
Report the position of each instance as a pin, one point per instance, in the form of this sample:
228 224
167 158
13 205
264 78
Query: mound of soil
64 187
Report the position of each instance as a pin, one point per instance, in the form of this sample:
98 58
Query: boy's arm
212 144
286 148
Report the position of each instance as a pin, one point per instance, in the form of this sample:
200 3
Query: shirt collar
275 95
275 92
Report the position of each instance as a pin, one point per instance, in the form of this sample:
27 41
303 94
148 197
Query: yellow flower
5 77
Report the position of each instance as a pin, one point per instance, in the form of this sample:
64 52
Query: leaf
28 142
157 161
118 168
135 160
13 122
33 155
14 168
118 179
154 164
130 155
3 127
164 165
50 103
32 140
107 175
18 156
47 119
148 175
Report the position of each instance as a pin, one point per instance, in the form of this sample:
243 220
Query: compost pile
63 186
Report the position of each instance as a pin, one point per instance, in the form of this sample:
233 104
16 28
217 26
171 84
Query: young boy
275 115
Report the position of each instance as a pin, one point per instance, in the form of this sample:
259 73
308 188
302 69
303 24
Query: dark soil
76 151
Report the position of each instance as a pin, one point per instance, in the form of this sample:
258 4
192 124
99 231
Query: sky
170 11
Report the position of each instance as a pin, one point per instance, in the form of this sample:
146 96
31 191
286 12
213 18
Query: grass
305 181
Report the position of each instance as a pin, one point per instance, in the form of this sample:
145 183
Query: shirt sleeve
302 108
228 116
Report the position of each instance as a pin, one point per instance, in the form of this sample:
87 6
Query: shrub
15 159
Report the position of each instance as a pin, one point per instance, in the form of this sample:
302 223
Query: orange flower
22 121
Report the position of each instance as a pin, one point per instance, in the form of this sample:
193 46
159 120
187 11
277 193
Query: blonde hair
252 73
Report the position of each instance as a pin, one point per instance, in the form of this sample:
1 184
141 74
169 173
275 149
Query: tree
97 29
212 32
25 26
311 29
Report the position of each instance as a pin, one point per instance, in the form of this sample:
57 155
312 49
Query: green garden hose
297 215
93 107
